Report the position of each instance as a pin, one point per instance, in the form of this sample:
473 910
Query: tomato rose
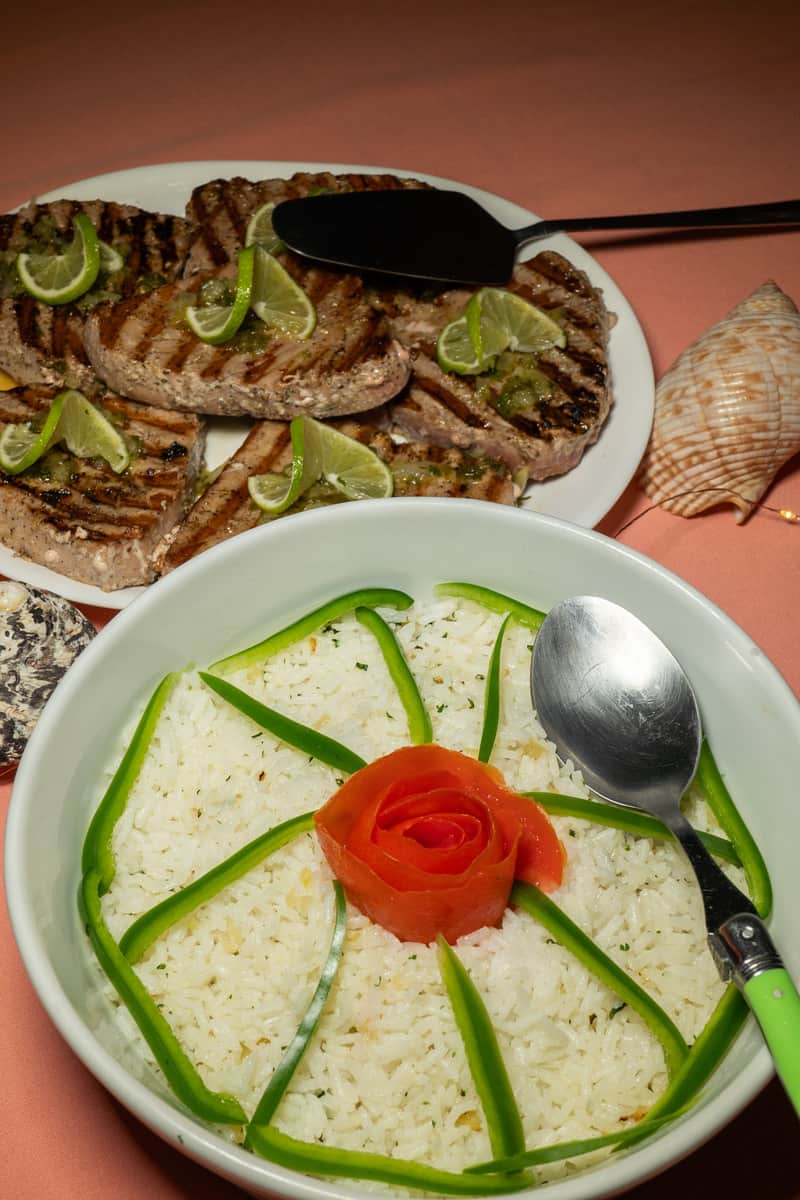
428 841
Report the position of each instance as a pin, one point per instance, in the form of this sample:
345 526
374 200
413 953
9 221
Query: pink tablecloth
569 108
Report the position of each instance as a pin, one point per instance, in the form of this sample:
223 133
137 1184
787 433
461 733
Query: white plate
583 496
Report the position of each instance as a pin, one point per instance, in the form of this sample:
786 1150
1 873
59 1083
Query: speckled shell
40 636
727 413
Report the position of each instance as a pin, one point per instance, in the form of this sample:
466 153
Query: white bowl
254 584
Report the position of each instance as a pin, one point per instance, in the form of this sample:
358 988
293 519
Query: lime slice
59 278
21 446
455 351
110 259
351 467
260 231
72 419
278 300
321 452
274 493
90 434
499 320
218 323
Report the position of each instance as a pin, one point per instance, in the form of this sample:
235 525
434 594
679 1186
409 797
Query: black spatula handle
778 212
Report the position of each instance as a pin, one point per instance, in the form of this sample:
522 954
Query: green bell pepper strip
332 611
97 853
721 804
282 1075
146 929
729 1016
491 702
704 1057
494 601
629 819
486 1065
564 930
179 1071
314 1159
561 1150
419 723
302 737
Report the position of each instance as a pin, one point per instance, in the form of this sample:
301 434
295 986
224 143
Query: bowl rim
176 1126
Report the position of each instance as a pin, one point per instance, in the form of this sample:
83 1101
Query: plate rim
632 436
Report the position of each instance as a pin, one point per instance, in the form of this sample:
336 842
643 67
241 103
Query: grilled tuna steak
225 508
540 411
221 209
143 349
77 517
43 344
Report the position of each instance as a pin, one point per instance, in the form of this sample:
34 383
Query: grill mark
183 350
261 364
59 333
135 260
75 346
562 273
238 223
88 483
141 481
589 365
156 316
219 358
99 532
570 417
25 313
378 345
107 225
76 508
457 407
318 284
114 318
207 532
576 391
176 424
204 217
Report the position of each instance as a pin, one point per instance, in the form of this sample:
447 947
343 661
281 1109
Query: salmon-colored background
567 108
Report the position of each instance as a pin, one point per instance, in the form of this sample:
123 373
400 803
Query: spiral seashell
727 413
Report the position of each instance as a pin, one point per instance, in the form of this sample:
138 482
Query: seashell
727 413
40 636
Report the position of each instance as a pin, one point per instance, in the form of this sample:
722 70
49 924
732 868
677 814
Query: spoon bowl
597 668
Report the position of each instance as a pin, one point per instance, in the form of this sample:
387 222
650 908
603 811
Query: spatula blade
428 234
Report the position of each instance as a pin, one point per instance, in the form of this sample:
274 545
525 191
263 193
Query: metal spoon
614 700
445 236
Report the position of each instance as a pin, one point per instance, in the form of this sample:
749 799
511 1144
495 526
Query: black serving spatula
447 237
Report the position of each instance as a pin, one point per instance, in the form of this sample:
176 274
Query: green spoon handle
776 1005
745 952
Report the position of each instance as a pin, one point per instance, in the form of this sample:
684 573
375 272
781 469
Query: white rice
387 1070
